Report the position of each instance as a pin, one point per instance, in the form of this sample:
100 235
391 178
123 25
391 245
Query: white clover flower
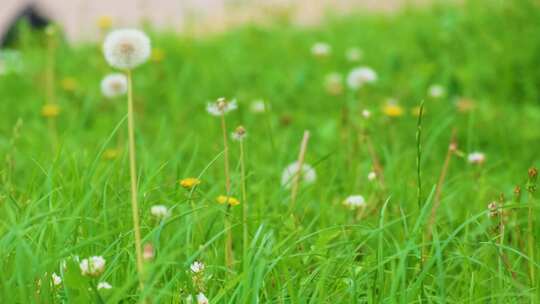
197 267
360 76
436 91
353 54
321 49
333 83
372 176
307 176
92 266
476 158
56 279
114 85
126 48
221 107
257 106
366 113
201 299
103 285
160 211
355 201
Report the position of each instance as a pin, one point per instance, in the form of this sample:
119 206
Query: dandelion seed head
321 49
476 158
436 91
126 48
221 107
307 174
114 85
239 134
360 76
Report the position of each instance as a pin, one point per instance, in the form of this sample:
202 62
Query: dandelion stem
229 238
531 187
298 175
133 175
244 202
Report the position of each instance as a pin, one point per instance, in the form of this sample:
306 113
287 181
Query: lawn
438 150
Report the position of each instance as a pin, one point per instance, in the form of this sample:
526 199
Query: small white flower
114 85
355 201
257 106
221 107
436 91
360 76
57 280
372 176
353 54
160 211
307 176
492 209
476 158
92 266
366 113
201 299
104 285
126 48
197 267
321 49
333 83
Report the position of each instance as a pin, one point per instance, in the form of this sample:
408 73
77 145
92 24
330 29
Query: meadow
438 150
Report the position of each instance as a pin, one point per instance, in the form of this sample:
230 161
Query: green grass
56 204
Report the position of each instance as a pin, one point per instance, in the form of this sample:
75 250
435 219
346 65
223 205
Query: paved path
78 17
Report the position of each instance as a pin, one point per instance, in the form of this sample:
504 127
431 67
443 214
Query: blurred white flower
114 85
321 49
126 48
201 299
160 211
104 285
239 134
92 266
333 83
354 201
221 107
366 113
492 209
372 176
476 158
197 267
360 76
257 106
353 54
307 175
436 91
148 252
56 279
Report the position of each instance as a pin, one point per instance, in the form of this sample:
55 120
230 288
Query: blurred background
79 17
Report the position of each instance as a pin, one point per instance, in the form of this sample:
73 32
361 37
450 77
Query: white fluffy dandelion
160 211
114 85
355 201
307 176
239 134
436 91
221 107
371 176
126 48
104 285
56 279
321 49
476 158
353 54
92 266
197 267
202 299
360 76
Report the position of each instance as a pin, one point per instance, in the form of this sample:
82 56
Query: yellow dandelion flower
111 154
157 55
104 22
69 84
392 110
223 199
190 182
50 110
